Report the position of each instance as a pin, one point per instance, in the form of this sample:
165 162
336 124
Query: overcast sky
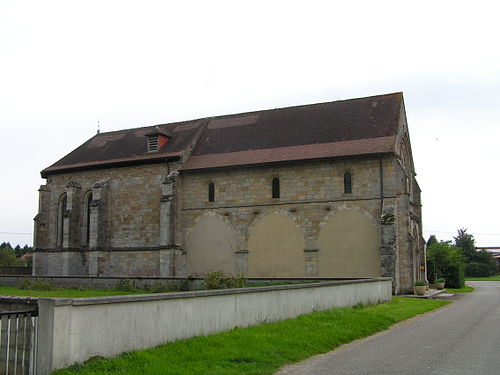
66 64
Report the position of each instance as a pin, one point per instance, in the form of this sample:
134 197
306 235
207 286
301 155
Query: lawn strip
63 292
490 278
260 349
465 289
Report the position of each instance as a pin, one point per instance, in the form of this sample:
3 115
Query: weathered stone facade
156 218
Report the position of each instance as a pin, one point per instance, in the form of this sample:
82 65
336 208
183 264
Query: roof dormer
157 139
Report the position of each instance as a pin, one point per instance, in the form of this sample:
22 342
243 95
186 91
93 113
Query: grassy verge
465 289
261 349
490 278
63 292
251 285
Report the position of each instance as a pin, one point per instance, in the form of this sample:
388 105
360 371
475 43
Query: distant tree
467 243
20 251
477 269
447 261
8 257
432 240
5 245
486 258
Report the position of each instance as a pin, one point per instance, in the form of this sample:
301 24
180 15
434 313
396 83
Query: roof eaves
108 163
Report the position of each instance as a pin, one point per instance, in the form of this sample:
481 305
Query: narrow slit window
276 187
347 183
63 203
211 192
87 202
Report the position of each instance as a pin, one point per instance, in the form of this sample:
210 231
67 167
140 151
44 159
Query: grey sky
64 64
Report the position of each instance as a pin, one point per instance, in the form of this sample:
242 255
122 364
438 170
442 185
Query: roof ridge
152 126
311 104
400 93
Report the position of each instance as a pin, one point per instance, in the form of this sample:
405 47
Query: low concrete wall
73 330
15 271
8 304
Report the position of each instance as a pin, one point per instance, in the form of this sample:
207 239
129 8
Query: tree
5 245
8 257
467 243
479 263
486 258
432 240
446 260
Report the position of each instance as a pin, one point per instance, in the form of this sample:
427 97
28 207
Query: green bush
35 284
447 261
219 280
420 283
126 285
477 269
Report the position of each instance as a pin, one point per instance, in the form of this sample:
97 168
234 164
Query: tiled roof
128 145
341 128
292 153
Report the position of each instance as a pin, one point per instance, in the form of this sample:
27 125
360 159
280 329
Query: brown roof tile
340 128
292 153
127 145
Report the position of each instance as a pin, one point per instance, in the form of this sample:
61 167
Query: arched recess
210 246
276 248
349 246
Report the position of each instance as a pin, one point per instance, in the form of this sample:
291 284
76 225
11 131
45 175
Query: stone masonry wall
132 194
309 188
309 193
130 198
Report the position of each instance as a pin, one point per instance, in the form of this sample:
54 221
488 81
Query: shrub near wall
446 261
477 269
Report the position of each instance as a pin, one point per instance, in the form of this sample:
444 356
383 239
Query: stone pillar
92 257
98 219
41 230
242 262
405 245
166 211
65 264
170 255
166 263
71 221
311 259
172 262
389 243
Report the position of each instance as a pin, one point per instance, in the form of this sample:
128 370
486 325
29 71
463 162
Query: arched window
347 183
86 218
276 187
211 192
61 210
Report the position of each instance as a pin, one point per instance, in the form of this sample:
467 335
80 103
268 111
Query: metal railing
18 337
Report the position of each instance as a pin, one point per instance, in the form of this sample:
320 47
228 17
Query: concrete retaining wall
15 270
73 330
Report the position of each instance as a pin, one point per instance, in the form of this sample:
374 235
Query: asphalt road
461 338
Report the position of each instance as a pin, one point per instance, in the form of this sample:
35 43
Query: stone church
321 190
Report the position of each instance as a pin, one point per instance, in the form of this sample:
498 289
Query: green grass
63 293
490 278
251 285
260 349
465 289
